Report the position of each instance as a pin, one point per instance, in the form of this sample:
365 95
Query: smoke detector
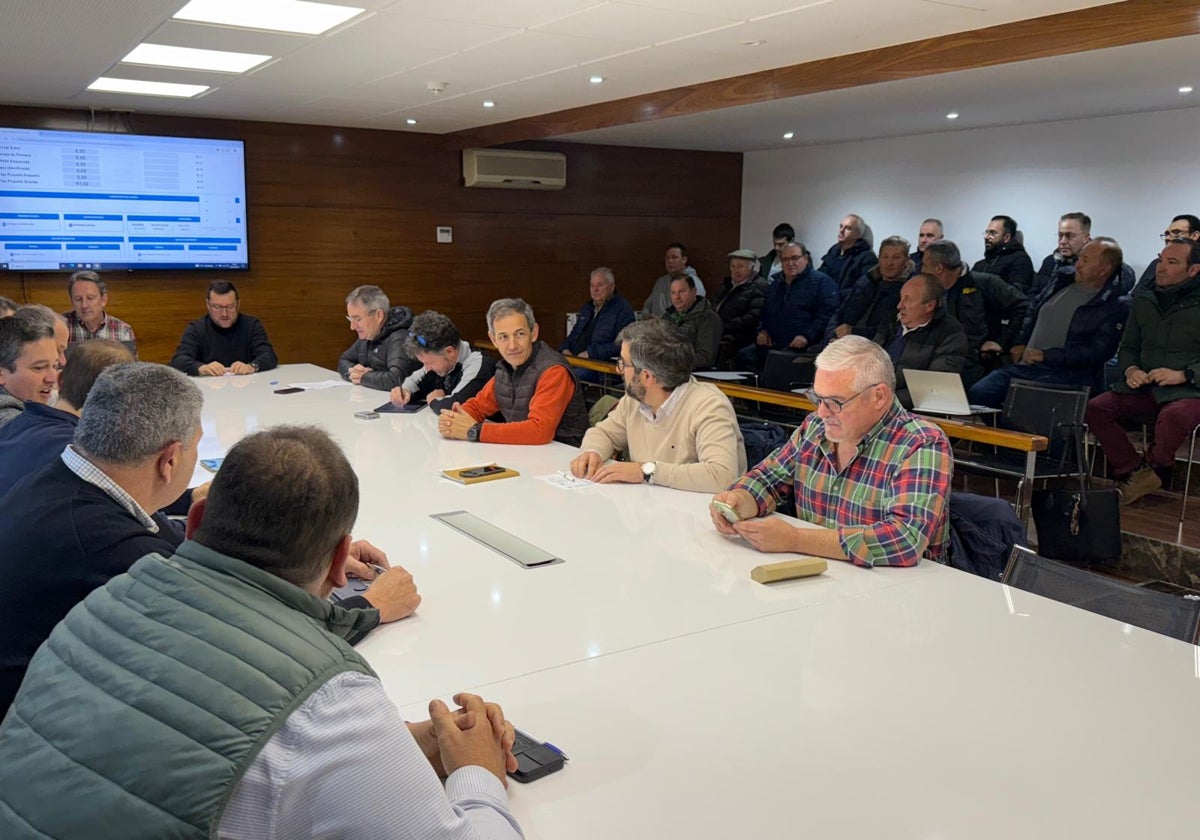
436 87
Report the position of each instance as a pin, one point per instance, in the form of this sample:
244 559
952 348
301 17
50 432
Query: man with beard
678 432
225 340
872 301
1004 255
871 477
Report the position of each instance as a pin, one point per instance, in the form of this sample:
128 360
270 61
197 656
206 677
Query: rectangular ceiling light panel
275 15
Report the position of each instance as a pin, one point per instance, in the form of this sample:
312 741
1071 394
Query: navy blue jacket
613 317
1093 335
34 438
845 269
1052 269
60 538
802 307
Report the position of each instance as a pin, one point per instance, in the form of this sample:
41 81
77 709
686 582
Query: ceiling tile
634 25
520 14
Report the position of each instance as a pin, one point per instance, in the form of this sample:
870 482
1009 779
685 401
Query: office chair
1054 411
1170 615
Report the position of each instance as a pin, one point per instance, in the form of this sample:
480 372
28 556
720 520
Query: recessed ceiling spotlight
487 103
1186 89
596 80
788 135
411 121
953 115
753 43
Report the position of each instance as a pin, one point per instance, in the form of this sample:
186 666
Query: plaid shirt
113 328
888 506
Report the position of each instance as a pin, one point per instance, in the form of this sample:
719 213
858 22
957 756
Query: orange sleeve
483 404
554 391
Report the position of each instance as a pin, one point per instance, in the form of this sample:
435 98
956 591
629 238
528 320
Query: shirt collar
668 407
93 475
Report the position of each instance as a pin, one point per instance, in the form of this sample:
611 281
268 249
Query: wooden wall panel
330 209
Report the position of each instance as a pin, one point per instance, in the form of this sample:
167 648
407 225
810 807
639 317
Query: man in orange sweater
534 389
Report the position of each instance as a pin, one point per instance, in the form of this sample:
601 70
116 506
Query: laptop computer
937 392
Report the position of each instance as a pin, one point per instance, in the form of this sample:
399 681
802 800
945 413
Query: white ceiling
1120 80
530 56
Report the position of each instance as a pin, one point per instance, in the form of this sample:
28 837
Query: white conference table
693 702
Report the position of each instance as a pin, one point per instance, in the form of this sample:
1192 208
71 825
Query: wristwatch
473 433
648 469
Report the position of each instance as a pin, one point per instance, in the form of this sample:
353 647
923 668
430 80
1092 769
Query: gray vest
514 390
148 702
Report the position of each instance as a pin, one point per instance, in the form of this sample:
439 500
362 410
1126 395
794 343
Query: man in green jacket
1159 358
213 693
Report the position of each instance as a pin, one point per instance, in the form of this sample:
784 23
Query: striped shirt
112 328
889 505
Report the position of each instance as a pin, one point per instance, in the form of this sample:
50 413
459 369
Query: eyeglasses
1172 235
357 319
835 405
1069 236
623 366
216 307
991 234
792 259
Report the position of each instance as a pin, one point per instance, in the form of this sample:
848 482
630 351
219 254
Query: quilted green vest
150 699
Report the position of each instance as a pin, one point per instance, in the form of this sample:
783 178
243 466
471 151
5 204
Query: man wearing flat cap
739 302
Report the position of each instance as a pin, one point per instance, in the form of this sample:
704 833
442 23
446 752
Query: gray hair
858 222
660 348
282 501
933 289
938 222
15 333
870 362
895 242
509 306
604 272
135 410
372 297
8 306
943 252
39 316
86 277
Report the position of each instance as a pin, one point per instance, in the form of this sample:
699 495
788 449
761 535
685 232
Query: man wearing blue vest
212 693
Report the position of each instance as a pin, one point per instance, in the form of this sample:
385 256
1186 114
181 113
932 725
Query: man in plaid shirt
874 478
87 319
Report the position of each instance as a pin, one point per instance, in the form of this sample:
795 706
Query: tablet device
408 408
212 464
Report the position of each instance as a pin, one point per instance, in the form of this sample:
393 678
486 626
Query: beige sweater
698 447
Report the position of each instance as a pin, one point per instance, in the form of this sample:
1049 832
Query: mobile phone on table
212 464
535 758
479 472
288 390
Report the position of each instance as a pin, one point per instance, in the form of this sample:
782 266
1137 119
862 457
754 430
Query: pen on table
538 740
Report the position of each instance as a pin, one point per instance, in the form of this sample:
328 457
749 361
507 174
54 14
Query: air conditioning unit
514 170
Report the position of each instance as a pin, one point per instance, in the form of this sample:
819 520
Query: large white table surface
642 564
954 708
922 702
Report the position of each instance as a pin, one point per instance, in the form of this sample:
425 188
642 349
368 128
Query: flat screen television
71 200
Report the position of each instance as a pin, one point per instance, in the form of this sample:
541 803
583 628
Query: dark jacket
596 332
988 310
870 303
802 307
385 354
1163 331
939 345
203 342
740 308
845 269
1056 265
1093 335
55 520
764 265
37 436
917 258
701 327
1009 262
455 389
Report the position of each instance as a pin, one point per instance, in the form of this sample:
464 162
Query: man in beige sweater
677 432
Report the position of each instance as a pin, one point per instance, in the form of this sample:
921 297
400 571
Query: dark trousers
1173 425
992 389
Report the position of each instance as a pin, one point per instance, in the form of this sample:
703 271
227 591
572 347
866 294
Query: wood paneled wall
330 209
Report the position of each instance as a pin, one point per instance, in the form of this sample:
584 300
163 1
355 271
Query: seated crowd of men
254 716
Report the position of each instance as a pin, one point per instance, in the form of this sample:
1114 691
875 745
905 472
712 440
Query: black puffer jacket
1009 262
384 354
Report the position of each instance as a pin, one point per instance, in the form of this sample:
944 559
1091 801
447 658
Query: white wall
1130 173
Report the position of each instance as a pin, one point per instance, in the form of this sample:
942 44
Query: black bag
1078 526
